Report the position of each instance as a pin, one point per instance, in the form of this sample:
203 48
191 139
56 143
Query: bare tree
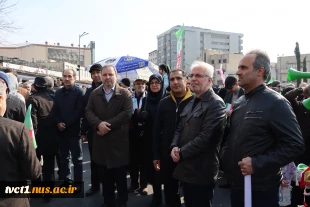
7 24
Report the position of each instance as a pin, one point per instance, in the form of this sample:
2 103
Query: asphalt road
221 196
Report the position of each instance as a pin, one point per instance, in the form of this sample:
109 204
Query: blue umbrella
130 67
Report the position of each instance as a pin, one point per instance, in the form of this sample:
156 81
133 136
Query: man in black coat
166 122
44 127
196 142
87 132
264 136
68 114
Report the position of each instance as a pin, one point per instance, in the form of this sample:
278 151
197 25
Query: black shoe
143 191
92 191
226 185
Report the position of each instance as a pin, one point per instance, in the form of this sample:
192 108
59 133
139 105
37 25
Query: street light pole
79 65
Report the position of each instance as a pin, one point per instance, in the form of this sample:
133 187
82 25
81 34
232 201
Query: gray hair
207 67
262 60
49 82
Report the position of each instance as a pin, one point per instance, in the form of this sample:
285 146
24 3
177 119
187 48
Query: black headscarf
153 98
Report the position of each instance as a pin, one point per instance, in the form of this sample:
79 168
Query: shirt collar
112 90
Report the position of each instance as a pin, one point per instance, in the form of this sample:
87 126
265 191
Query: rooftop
26 44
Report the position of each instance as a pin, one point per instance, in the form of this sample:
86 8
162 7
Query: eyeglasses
156 83
197 75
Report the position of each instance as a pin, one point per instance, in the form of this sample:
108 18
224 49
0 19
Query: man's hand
156 164
100 133
228 113
175 154
103 127
246 166
83 138
61 126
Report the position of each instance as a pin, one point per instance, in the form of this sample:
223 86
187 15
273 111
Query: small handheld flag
28 123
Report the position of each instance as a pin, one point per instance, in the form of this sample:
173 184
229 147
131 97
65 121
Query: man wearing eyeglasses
196 142
18 157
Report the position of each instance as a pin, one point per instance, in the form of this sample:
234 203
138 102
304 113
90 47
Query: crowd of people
174 129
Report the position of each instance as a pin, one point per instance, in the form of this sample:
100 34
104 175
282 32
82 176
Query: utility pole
79 61
280 57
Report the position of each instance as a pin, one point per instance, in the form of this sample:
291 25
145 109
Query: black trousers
110 177
47 177
94 172
171 185
267 198
136 166
198 195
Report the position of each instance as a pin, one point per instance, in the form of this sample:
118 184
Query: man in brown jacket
18 156
108 111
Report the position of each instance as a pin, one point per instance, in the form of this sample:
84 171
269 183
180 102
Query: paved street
221 196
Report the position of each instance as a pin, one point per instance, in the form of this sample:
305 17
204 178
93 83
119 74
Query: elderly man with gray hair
196 142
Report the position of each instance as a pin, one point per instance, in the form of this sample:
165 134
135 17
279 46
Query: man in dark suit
18 157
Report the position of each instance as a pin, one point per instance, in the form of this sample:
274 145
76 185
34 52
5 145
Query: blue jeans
73 145
266 198
198 195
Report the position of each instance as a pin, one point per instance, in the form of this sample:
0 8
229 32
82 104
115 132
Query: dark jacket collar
258 88
93 85
66 90
206 95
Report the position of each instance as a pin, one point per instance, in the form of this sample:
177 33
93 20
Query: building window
212 61
205 57
220 61
224 61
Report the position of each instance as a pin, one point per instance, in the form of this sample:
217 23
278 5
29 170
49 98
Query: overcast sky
123 27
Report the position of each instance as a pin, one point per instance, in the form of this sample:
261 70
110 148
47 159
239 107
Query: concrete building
286 62
228 61
153 57
195 41
37 53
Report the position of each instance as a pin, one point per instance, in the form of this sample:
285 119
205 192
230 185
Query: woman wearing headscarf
156 92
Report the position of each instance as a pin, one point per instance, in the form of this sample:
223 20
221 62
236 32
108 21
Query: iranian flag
28 123
179 35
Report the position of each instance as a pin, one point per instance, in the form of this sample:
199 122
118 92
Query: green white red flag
28 123
179 35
